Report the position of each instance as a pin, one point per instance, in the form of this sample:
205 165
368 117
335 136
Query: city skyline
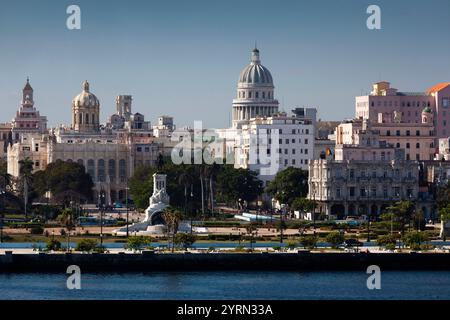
176 66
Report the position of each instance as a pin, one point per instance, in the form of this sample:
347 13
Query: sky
183 58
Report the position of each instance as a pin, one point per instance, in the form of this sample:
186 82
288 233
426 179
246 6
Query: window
407 145
397 132
306 141
338 193
445 102
418 145
408 133
417 132
112 170
351 191
388 133
362 192
306 151
101 170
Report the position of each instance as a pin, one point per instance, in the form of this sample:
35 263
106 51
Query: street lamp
101 197
126 205
2 194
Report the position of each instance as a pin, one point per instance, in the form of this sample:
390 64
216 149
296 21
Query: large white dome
255 72
86 99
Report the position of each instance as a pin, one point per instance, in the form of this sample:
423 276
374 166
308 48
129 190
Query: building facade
109 153
362 188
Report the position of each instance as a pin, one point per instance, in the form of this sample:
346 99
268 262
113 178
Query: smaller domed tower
427 115
86 111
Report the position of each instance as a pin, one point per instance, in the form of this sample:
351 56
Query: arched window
91 168
101 170
93 119
80 118
112 169
418 145
122 170
80 161
87 119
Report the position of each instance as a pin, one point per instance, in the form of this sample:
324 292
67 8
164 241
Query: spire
27 85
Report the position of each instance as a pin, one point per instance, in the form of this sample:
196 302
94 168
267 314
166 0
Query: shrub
184 240
37 230
414 239
388 241
137 243
309 241
53 245
291 245
335 238
87 245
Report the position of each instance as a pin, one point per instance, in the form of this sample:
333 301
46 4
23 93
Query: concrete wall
222 261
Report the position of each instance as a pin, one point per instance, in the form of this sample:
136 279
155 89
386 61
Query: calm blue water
228 285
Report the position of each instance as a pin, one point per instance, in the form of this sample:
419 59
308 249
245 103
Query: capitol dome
86 99
255 72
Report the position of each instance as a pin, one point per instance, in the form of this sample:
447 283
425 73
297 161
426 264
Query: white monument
153 222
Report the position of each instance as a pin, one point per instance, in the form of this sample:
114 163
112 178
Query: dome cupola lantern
255 92
86 111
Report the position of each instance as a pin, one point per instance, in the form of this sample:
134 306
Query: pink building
384 102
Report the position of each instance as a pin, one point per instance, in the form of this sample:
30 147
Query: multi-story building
362 188
271 144
387 101
416 139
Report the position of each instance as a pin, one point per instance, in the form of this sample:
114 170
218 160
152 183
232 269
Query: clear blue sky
183 58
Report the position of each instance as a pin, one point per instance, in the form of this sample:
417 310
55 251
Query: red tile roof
439 87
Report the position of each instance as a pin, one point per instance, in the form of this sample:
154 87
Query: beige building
110 155
360 188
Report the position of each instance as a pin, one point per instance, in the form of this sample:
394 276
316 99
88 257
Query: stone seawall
148 261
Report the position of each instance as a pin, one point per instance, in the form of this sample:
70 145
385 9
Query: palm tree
66 220
172 217
25 174
186 178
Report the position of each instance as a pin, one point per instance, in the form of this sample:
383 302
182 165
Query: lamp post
2 217
101 206
126 205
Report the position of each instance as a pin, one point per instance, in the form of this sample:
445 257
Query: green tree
67 182
303 205
335 238
238 185
288 185
400 212
141 186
